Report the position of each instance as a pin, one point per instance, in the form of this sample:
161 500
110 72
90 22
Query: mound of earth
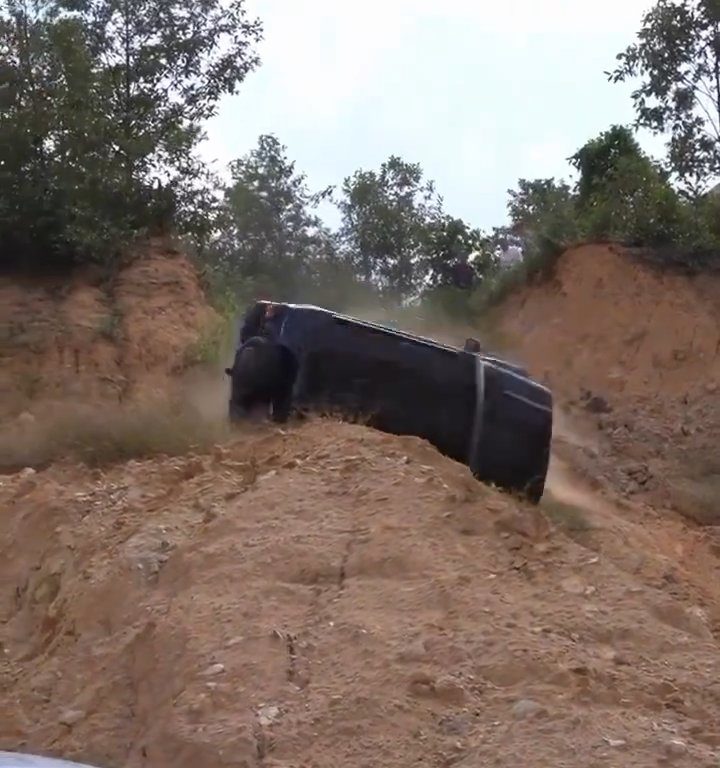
91 340
327 595
614 325
638 349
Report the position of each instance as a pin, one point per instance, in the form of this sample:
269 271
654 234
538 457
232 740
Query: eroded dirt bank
325 595
636 351
328 596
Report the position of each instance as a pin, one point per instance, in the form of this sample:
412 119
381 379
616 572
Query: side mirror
229 371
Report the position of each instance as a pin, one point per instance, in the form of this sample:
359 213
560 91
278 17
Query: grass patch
110 325
566 516
97 437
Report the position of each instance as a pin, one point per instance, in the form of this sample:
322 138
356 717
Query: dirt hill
639 350
333 595
96 340
610 323
326 595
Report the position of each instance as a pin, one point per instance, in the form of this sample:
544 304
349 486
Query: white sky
478 93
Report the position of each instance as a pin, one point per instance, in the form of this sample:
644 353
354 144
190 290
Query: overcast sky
479 93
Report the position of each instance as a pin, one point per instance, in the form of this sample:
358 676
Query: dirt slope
332 596
613 325
325 595
639 350
92 340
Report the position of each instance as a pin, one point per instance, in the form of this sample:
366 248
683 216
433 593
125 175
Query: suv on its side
477 409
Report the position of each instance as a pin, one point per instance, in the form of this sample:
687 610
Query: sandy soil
638 351
326 595
90 340
333 596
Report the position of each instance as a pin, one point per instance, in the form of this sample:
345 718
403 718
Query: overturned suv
474 408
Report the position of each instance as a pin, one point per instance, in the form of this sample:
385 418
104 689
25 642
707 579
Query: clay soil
326 595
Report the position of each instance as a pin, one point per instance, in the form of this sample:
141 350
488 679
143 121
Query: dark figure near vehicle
463 275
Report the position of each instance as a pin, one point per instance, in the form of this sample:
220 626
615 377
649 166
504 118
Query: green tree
270 231
623 195
165 65
677 60
598 160
450 242
29 88
543 209
385 219
103 105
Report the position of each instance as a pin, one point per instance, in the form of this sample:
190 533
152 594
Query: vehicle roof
417 339
368 324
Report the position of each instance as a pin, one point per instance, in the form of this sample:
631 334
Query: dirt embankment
333 596
639 350
610 323
83 341
326 595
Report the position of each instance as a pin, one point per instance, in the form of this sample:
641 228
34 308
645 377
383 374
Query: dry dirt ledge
327 596
331 596
87 340
639 349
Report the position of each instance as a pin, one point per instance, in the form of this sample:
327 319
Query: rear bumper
512 431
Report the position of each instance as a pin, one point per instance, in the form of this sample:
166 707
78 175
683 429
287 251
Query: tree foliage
542 209
450 244
102 109
269 229
621 195
677 59
385 215
598 160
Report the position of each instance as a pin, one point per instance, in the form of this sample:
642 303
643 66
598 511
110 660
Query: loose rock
71 717
675 748
526 709
573 585
268 714
615 743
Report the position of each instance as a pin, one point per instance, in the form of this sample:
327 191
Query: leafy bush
622 196
101 110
